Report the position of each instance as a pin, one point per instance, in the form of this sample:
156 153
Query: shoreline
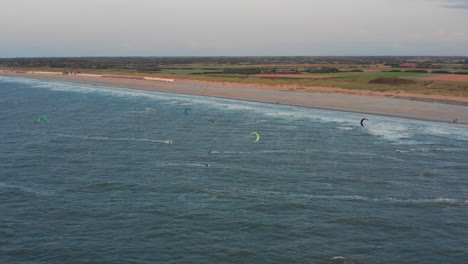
425 108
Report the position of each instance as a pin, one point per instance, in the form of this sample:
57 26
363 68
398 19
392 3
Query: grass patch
370 75
392 81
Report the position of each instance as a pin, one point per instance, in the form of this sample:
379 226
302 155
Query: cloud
458 4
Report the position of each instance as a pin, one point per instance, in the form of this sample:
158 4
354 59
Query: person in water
207 165
209 152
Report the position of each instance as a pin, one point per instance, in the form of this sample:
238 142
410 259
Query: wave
184 165
429 150
239 193
342 260
281 151
117 139
24 189
89 88
389 131
447 201
345 128
101 186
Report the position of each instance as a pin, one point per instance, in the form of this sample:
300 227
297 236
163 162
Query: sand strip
429 110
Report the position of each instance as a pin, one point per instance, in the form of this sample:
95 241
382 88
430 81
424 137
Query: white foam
445 201
389 130
266 193
427 150
345 260
459 132
345 128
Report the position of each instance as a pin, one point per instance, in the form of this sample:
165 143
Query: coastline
418 107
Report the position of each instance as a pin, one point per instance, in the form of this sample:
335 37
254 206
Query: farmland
433 75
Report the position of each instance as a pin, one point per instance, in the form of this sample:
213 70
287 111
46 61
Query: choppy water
119 176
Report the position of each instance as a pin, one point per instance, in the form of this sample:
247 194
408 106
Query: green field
352 81
369 75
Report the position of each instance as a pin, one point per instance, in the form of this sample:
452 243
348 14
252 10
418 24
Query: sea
93 174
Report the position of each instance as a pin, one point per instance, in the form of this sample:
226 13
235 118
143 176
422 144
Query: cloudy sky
47 28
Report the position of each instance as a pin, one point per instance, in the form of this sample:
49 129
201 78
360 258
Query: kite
43 117
362 121
187 111
258 136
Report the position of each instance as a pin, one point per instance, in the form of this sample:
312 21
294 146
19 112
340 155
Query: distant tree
441 71
421 71
243 71
323 69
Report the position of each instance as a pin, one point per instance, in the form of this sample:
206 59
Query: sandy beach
411 106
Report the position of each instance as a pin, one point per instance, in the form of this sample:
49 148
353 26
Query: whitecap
345 128
342 260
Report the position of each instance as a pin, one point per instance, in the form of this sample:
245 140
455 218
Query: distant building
158 79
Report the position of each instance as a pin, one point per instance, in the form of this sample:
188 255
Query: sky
65 28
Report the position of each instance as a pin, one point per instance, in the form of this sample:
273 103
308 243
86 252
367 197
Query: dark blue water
119 176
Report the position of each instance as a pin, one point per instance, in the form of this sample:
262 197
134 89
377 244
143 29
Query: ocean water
120 176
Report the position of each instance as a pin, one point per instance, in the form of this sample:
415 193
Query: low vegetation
392 81
379 74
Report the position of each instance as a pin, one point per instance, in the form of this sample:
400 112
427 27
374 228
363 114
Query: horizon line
230 56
